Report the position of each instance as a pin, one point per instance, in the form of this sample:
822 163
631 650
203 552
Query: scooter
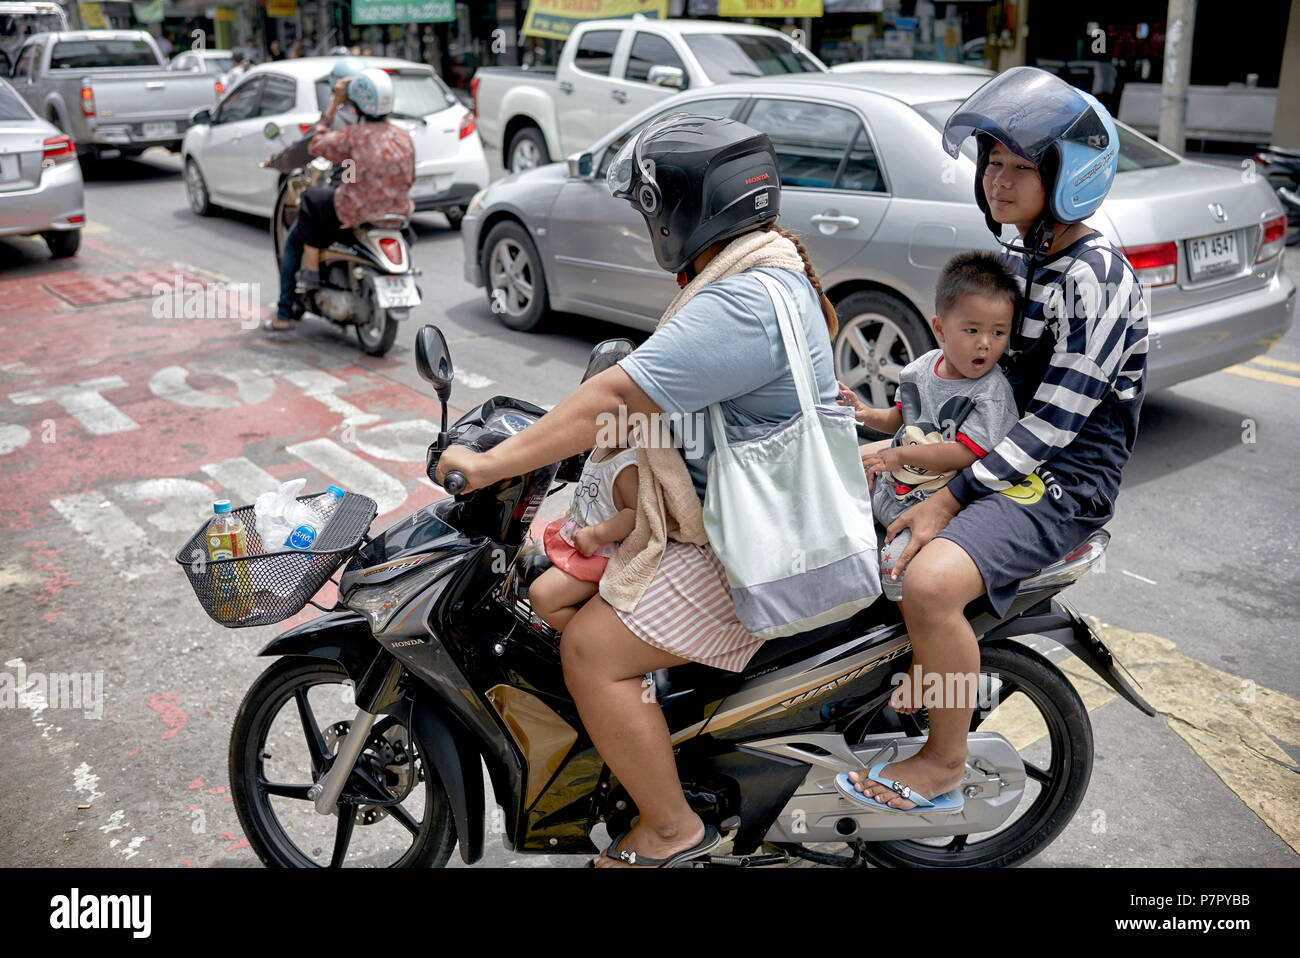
363 744
1282 168
367 282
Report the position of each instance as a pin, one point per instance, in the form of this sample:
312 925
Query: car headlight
476 202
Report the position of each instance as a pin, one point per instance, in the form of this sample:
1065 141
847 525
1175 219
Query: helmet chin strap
1036 245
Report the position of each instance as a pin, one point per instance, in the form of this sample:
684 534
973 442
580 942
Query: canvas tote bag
789 514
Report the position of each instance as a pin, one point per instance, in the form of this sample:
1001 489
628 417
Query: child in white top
580 543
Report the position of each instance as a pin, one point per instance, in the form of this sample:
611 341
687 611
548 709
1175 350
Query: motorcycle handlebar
455 482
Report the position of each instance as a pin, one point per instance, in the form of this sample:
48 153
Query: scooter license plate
396 291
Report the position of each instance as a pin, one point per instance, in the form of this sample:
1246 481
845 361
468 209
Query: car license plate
396 291
424 186
9 166
1210 255
156 131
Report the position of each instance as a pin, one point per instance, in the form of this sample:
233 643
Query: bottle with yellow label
232 592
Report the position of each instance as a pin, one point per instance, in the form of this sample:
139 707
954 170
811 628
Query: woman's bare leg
940 581
555 596
604 663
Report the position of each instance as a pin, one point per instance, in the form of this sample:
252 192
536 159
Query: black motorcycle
1281 166
363 744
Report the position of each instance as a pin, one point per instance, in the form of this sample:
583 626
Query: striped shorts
687 610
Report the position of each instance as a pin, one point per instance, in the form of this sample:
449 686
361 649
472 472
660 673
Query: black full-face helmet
697 180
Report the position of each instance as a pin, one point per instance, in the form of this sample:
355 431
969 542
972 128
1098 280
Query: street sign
555 19
769 8
403 11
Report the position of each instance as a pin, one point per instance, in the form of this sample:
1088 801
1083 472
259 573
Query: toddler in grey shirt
953 404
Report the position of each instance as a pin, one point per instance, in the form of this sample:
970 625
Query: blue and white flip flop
947 802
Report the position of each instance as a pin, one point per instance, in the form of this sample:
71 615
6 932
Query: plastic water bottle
226 538
326 503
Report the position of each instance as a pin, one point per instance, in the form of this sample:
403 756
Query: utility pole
1177 70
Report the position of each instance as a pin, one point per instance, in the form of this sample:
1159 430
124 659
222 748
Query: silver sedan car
41 191
881 208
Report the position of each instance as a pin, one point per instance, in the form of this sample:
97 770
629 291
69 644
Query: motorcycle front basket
264 587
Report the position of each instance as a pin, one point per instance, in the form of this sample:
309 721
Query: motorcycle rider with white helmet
378 162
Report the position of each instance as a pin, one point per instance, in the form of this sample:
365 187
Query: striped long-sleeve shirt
1077 363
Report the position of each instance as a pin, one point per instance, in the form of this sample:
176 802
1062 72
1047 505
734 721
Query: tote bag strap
797 355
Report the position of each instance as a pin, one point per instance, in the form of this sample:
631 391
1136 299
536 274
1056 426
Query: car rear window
11 105
218 64
415 93
725 56
88 54
1136 152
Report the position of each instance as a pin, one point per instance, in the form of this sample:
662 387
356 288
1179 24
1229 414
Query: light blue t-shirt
725 346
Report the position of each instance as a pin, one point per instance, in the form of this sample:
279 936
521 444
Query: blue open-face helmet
1063 130
347 67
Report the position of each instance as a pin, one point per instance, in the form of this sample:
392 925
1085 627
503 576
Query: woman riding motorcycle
709 192
376 186
1076 362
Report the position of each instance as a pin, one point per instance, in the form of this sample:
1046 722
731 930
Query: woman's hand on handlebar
475 466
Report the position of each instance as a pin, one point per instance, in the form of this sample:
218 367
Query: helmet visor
1027 110
631 175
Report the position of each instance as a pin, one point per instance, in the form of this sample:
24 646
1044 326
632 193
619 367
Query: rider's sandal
268 326
710 841
947 802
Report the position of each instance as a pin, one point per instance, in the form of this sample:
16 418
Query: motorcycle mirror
433 360
270 131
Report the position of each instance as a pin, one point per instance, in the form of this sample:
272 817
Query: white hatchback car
275 103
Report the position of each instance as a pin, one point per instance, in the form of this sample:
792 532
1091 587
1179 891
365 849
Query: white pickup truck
610 70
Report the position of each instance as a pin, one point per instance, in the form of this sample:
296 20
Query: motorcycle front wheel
1041 714
393 812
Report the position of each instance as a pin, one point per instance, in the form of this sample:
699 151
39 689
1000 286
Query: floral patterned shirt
380 183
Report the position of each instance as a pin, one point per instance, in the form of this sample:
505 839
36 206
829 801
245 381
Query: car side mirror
662 75
579 165
433 360
270 131
201 117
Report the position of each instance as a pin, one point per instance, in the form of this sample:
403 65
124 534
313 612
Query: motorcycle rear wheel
338 840
1024 678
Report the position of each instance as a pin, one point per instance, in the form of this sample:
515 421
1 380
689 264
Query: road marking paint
85 404
111 532
473 380
321 387
1265 377
12 437
86 782
351 472
93 228
1140 578
243 478
406 441
183 501
1234 726
1276 363
170 383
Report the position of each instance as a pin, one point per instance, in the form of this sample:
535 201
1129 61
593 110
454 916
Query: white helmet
372 92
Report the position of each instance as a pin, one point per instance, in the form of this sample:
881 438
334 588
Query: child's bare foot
925 775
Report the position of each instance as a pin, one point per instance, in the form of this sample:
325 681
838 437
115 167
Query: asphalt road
1198 595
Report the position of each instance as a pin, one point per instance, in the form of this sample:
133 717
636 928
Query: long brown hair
828 310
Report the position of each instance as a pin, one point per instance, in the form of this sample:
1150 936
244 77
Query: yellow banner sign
555 19
225 15
281 8
769 8
92 16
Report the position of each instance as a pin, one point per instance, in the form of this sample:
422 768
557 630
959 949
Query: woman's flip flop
710 841
947 802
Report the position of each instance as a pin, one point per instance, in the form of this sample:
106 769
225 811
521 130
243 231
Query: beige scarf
667 506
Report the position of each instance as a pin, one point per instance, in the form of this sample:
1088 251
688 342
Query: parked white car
611 70
275 103
41 191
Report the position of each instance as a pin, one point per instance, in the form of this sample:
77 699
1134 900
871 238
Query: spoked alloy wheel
1041 714
377 334
393 811
878 336
196 189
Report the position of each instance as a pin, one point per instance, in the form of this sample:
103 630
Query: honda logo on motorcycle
1217 211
